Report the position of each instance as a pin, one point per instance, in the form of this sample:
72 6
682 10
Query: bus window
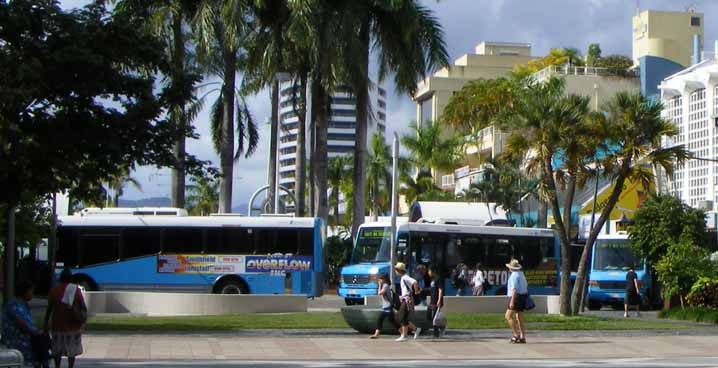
67 243
264 241
98 248
138 242
287 241
182 240
234 240
306 242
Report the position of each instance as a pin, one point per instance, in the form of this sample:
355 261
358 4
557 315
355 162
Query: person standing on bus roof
517 291
387 310
409 288
633 293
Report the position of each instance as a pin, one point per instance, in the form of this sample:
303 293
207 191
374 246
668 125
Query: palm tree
413 188
429 150
337 175
408 41
379 183
633 128
168 20
545 125
118 183
203 196
220 29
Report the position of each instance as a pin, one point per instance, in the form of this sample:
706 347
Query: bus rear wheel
231 287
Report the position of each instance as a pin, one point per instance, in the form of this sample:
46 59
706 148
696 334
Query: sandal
522 340
372 337
514 340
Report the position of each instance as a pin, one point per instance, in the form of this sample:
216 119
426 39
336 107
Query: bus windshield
372 245
615 255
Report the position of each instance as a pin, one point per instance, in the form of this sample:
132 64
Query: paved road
537 363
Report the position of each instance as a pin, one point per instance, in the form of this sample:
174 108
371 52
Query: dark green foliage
77 99
704 293
683 264
32 221
660 222
705 315
338 253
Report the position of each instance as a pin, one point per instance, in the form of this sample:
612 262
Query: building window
340 149
382 92
344 100
342 124
341 137
381 103
695 21
343 112
427 111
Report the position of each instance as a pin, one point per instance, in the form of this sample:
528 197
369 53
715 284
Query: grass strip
329 320
694 314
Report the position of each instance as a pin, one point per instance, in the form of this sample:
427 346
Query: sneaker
638 314
625 315
401 338
417 332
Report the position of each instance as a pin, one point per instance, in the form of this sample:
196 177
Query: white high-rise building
690 98
341 130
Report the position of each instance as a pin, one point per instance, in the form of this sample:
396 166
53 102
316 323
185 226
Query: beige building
490 60
666 34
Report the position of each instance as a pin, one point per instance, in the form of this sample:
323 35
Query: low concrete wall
177 304
545 304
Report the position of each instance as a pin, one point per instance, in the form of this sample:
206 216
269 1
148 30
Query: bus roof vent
134 211
276 215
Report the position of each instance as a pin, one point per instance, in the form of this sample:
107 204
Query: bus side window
306 242
138 242
67 250
287 241
182 240
264 241
228 240
96 248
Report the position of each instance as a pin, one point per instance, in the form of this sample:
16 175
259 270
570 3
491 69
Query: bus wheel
349 301
231 287
594 305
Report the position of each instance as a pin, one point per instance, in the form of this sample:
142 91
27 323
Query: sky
544 24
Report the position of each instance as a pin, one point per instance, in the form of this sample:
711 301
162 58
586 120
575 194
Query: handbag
439 318
529 303
78 311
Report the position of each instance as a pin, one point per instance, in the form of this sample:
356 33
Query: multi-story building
663 44
690 98
667 35
490 60
341 131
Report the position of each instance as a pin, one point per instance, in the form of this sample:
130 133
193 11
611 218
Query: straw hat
514 265
400 266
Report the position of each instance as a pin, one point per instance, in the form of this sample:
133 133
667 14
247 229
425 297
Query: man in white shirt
409 288
517 291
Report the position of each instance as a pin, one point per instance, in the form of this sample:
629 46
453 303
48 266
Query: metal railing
551 71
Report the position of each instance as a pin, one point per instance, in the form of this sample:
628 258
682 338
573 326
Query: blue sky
544 24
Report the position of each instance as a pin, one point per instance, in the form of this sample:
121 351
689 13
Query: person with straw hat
517 291
409 288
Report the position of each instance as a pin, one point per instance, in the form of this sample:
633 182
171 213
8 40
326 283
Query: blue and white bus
447 246
168 251
611 259
370 258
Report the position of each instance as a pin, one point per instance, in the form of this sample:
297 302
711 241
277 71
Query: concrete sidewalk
318 346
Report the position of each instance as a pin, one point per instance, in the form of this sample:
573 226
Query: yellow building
667 35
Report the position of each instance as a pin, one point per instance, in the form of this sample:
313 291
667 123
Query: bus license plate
353 291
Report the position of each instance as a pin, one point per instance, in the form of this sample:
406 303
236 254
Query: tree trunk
583 264
361 90
273 131
9 256
565 243
226 156
301 168
320 157
312 166
541 214
336 206
178 116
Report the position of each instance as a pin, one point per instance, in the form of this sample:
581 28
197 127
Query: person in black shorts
387 310
633 293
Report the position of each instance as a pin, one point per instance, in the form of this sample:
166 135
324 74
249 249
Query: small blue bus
610 261
370 258
170 252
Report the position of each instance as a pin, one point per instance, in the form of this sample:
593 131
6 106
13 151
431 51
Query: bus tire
85 282
594 305
349 301
231 286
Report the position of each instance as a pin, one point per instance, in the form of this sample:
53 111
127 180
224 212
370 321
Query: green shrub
696 314
704 293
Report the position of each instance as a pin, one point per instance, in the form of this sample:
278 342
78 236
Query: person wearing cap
517 291
409 288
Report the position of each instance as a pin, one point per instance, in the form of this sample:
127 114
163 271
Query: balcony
551 71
